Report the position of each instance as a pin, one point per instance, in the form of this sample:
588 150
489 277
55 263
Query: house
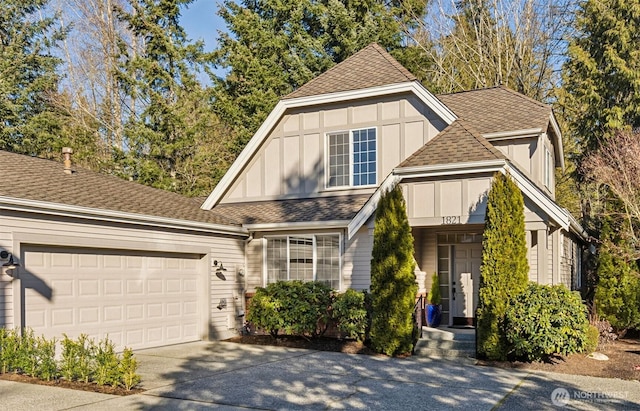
82 252
307 184
107 257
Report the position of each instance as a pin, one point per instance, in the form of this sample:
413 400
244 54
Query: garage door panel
137 300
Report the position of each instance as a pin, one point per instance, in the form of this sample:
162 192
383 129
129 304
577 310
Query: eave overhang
87 213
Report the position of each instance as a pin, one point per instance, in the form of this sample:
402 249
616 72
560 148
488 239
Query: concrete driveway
226 376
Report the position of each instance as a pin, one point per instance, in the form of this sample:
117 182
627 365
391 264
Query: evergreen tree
601 79
617 295
28 78
393 281
274 47
505 269
174 118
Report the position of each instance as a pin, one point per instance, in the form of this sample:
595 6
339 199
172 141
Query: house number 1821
451 220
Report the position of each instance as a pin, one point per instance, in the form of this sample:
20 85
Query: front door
465 282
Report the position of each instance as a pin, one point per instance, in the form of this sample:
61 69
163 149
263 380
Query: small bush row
81 359
307 309
545 320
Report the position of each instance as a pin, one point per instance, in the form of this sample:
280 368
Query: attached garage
137 299
93 254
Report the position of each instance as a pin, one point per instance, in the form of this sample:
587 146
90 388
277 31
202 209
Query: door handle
453 293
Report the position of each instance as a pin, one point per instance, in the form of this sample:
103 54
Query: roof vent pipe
66 152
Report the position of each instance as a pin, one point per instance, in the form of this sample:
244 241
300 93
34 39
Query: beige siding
533 257
356 262
73 232
453 201
291 162
522 152
6 283
255 258
550 265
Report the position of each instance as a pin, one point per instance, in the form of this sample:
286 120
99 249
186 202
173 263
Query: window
352 158
548 168
304 258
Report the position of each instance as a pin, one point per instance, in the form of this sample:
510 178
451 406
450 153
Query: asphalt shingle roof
295 210
458 143
498 109
370 67
31 178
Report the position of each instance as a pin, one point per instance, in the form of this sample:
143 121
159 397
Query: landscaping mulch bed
623 363
74 385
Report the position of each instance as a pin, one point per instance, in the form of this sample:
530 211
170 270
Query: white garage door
138 299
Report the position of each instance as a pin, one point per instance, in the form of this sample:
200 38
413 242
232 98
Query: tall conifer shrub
393 281
618 288
505 269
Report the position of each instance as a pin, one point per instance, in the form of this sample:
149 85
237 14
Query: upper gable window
352 158
548 168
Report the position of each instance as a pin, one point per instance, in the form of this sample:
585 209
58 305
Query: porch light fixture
222 304
219 270
10 264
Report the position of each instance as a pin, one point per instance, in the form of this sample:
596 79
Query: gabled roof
498 109
458 143
307 210
393 79
370 67
36 183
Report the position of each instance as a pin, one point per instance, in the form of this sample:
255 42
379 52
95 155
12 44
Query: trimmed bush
82 359
78 358
293 307
127 370
545 320
592 339
434 294
350 314
505 269
393 281
106 364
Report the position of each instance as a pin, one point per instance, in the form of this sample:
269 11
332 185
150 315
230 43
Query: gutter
65 210
297 225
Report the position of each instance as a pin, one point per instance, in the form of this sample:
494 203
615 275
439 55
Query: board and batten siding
291 162
356 266
23 229
447 201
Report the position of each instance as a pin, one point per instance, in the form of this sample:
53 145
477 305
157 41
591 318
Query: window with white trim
352 158
304 258
548 168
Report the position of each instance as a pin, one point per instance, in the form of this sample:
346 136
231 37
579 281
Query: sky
200 21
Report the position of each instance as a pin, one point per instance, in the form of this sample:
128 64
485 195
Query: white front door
465 281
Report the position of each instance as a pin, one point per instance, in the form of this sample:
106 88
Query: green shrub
293 307
505 269
27 362
45 352
617 295
393 281
545 320
9 345
350 313
106 371
81 359
592 339
78 357
434 294
127 370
